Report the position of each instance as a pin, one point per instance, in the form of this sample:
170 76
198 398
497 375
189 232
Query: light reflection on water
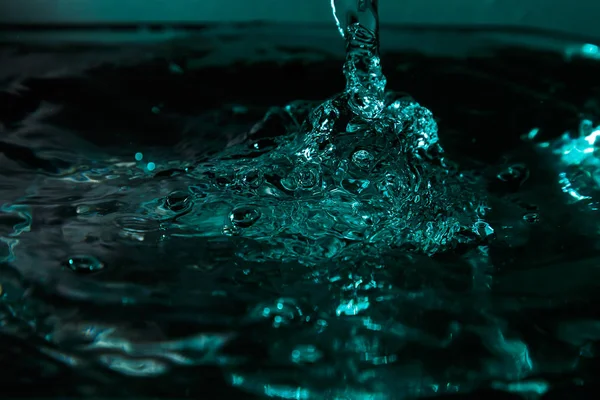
146 260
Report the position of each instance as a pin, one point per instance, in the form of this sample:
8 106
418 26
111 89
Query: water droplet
531 218
178 201
244 216
85 263
363 159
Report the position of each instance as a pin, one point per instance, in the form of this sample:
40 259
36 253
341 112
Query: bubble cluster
360 173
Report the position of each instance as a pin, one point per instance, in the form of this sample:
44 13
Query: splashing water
580 175
331 251
359 174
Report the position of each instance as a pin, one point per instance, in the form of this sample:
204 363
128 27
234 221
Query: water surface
134 265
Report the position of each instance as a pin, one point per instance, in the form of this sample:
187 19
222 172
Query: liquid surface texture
161 236
355 176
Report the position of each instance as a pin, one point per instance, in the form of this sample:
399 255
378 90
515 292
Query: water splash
342 193
358 174
579 162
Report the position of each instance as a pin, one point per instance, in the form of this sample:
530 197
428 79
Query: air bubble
224 180
244 216
252 178
531 218
363 159
302 178
308 178
84 263
178 201
281 312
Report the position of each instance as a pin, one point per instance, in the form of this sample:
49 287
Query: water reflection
117 270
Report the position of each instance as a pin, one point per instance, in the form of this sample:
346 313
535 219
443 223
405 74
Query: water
163 237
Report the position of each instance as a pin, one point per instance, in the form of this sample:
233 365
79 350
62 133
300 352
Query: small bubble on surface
531 218
252 178
244 216
363 159
84 263
178 201
281 312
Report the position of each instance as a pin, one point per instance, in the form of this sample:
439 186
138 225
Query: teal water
163 238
